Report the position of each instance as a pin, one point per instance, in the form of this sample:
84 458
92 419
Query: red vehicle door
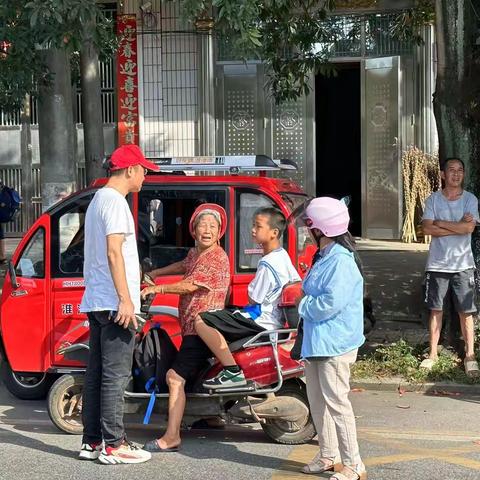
68 325
164 213
24 308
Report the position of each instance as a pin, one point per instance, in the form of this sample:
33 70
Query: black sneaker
226 379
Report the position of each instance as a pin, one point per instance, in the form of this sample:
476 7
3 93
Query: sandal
321 464
427 364
471 368
348 473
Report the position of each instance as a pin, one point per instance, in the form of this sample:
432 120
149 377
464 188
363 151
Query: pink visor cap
329 215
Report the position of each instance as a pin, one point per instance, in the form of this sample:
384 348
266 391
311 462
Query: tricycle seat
238 344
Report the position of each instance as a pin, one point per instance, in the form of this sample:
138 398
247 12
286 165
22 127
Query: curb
393 384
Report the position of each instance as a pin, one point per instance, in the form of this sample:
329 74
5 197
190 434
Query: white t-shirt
274 271
107 214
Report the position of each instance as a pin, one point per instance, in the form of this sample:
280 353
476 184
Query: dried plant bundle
421 177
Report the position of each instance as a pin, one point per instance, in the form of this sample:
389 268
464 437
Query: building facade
182 92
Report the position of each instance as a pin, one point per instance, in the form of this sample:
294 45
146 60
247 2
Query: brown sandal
348 473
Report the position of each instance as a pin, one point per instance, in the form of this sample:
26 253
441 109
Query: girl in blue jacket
332 313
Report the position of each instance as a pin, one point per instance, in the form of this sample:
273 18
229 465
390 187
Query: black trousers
108 371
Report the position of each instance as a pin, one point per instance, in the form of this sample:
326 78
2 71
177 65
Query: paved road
412 436
32 448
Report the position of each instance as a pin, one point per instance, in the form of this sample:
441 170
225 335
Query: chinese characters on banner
127 77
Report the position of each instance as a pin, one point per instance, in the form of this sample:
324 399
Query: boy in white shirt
274 271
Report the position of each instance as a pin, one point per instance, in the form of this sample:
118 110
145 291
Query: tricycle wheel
26 386
65 403
291 433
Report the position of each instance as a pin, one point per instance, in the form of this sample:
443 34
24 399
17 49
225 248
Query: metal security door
240 110
249 123
381 182
291 136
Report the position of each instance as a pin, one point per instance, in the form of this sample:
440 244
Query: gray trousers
328 385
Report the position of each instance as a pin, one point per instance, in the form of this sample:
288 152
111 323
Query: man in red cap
111 300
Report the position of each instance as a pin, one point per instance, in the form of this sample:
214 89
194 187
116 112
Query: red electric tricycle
41 326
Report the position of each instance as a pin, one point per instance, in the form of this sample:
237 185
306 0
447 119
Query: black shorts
462 285
192 357
233 326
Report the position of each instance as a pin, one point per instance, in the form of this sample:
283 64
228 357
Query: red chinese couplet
127 78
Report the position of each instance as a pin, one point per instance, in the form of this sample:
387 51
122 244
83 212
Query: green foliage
397 359
295 45
294 38
31 27
408 24
401 359
290 36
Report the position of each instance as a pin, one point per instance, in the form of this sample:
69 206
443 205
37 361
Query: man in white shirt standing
111 300
450 217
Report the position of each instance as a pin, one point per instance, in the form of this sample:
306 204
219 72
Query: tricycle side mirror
13 275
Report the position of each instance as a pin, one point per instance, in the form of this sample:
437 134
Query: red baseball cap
129 156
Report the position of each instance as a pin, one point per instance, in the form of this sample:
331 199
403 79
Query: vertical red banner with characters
127 78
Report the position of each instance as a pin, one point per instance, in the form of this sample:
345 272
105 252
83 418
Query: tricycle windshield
163 218
305 245
31 263
294 200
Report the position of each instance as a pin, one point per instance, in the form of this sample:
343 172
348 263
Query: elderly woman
204 286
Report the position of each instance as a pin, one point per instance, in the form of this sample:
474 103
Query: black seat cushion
238 344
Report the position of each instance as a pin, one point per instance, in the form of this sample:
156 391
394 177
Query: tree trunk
57 159
91 110
455 104
456 94
73 126
26 155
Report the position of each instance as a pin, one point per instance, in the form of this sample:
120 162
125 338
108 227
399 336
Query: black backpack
152 358
9 204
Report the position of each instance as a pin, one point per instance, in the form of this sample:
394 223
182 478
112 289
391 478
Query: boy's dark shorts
462 285
233 326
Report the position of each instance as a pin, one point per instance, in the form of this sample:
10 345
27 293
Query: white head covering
208 211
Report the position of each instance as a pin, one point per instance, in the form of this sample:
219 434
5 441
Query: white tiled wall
168 90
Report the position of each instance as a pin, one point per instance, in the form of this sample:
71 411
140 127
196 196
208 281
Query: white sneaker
126 453
90 451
